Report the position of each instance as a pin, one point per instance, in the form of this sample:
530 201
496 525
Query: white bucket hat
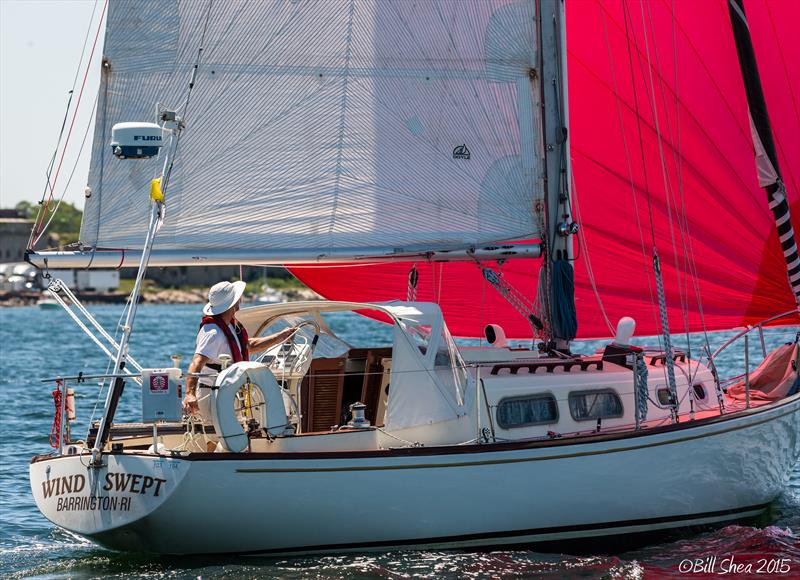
222 296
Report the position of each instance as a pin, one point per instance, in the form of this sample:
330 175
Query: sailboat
429 165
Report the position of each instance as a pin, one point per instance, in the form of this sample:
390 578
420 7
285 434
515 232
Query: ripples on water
35 344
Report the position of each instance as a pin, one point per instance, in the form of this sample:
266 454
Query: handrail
759 326
82 378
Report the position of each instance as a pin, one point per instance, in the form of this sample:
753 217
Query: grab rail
759 326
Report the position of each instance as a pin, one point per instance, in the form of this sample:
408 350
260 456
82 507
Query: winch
358 420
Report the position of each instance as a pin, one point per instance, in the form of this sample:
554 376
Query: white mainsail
316 126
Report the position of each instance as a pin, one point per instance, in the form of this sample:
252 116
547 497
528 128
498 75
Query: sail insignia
461 152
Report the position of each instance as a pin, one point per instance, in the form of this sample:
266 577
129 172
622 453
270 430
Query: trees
66 223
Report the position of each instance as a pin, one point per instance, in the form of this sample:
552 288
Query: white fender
232 435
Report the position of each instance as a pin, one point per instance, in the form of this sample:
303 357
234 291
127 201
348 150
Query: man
221 334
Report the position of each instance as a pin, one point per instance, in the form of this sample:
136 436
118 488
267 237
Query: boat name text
120 482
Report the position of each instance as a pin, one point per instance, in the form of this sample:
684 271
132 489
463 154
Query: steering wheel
302 353
295 346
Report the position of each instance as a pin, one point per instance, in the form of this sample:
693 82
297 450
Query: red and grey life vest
238 354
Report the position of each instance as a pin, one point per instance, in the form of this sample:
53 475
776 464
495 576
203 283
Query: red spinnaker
628 130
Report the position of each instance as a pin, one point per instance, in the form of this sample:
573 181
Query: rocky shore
165 296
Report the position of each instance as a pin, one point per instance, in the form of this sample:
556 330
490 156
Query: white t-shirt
211 343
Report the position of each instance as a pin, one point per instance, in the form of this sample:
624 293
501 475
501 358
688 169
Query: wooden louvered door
322 394
371 392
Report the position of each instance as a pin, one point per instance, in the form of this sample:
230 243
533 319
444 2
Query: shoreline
162 296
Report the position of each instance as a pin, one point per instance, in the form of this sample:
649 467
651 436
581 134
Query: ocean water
37 344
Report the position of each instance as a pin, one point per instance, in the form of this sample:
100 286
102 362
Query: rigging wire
587 262
627 152
690 273
48 184
668 188
185 107
72 173
661 320
651 101
680 208
40 218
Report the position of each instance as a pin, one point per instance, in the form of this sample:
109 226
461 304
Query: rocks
17 299
174 297
166 296
299 294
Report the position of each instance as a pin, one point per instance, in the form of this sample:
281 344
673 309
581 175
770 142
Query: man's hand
265 342
190 406
285 334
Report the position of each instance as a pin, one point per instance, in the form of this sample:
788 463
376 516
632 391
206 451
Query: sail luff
769 173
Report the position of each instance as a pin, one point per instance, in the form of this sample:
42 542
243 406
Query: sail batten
324 124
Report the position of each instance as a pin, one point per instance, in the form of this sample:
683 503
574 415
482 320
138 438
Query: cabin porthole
664 397
699 391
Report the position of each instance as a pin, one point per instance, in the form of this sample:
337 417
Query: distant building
14 234
205 276
15 231
178 276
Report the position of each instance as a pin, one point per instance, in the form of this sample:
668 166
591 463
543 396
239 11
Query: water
35 344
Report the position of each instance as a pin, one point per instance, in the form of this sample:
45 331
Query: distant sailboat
47 303
409 161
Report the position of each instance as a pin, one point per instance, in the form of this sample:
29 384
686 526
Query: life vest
237 354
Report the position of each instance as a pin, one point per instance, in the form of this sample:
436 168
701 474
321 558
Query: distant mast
559 295
769 173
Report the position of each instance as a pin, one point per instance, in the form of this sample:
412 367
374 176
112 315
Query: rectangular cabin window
526 411
589 405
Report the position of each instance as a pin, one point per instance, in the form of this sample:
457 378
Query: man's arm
190 400
265 342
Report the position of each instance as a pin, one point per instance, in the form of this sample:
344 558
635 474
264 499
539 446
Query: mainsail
322 126
679 148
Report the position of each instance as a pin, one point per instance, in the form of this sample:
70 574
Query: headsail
739 270
329 125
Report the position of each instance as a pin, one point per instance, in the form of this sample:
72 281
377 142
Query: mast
769 173
559 288
157 192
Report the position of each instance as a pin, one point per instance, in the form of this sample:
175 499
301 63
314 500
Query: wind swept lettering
61 485
115 482
133 483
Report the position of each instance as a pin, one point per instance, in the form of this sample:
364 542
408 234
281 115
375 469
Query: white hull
705 472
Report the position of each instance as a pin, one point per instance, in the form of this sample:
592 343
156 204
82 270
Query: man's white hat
222 296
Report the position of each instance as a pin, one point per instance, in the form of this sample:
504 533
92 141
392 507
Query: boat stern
92 501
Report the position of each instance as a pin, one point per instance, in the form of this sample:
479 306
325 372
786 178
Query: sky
41 44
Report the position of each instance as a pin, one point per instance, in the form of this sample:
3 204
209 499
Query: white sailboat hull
711 471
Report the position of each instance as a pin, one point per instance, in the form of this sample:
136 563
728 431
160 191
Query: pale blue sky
40 49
